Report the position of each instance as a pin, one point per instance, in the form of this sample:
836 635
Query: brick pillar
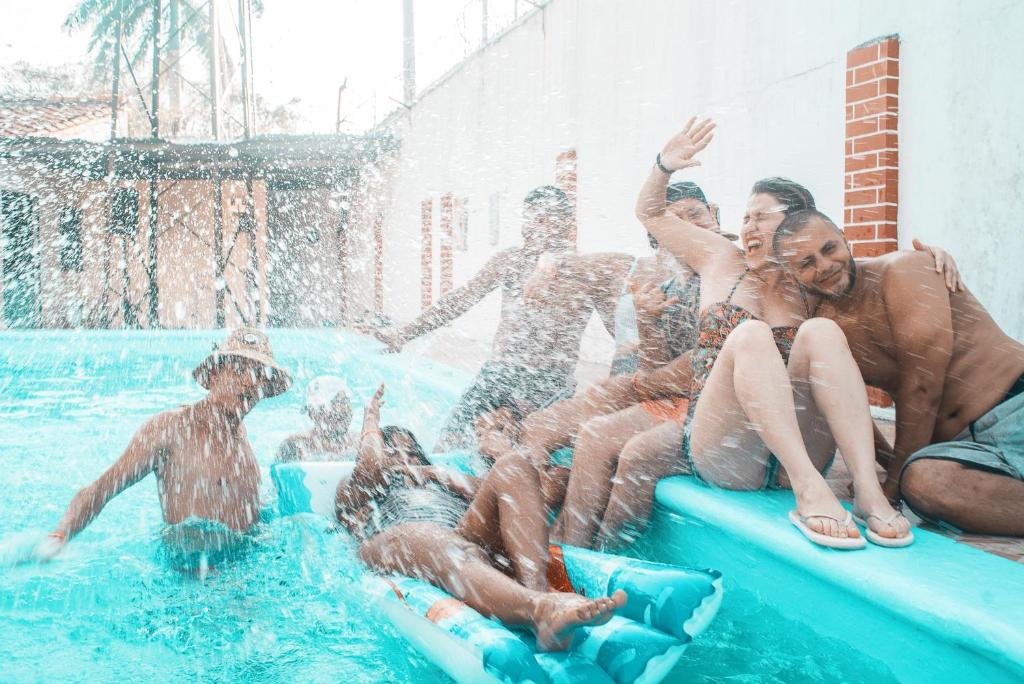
378 264
565 179
447 264
872 154
426 253
872 151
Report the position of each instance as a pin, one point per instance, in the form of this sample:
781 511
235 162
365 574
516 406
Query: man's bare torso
985 361
205 469
533 336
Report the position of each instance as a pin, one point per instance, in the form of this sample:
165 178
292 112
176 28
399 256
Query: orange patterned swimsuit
717 323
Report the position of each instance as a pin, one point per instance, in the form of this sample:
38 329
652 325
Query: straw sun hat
246 343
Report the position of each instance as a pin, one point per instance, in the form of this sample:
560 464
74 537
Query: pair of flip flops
850 543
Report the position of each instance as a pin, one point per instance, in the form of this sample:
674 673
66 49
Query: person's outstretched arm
693 246
137 461
918 309
455 303
368 475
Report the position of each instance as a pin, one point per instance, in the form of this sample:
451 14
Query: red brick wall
565 179
447 265
872 154
872 150
426 253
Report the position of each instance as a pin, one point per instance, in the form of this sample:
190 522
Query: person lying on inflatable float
424 522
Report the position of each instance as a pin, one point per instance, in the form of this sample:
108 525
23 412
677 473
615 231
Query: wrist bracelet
657 162
636 386
57 534
368 432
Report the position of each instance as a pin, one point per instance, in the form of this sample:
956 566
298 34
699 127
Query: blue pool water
108 610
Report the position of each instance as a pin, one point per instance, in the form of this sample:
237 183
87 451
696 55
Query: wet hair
684 190
388 433
551 200
796 222
788 192
498 402
680 191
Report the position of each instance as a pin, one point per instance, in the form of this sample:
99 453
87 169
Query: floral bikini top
717 323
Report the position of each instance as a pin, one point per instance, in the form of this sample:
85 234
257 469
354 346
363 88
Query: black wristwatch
657 162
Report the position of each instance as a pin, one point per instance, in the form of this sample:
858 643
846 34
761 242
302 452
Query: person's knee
513 469
824 333
750 335
925 485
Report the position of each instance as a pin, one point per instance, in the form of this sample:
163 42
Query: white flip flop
879 540
840 543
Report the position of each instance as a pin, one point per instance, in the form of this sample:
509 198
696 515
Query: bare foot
558 615
822 511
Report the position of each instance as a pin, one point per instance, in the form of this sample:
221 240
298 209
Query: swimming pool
108 610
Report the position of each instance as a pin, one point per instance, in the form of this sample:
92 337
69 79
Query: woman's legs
440 556
747 405
822 366
646 459
593 463
508 518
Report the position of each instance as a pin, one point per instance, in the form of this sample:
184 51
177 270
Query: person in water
534 353
957 379
769 386
484 542
329 407
205 468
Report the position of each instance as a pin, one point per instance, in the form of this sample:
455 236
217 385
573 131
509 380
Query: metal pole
214 73
116 78
409 54
246 94
154 196
219 262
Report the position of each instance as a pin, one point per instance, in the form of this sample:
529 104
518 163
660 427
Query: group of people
744 367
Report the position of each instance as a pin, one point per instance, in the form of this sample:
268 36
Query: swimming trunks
994 442
430 503
200 545
717 323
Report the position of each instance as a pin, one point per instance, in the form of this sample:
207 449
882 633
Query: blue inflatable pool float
667 606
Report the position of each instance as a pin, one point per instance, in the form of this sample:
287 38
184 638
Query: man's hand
679 152
649 300
51 545
392 339
944 264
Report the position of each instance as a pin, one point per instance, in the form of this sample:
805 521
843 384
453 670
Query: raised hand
649 300
944 264
371 414
679 152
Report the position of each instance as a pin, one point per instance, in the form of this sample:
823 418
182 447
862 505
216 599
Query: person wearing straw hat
205 468
329 406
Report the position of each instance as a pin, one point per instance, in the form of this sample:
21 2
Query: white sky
303 49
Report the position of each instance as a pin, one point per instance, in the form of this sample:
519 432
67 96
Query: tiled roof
20 118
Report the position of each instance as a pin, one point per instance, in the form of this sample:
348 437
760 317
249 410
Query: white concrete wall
614 78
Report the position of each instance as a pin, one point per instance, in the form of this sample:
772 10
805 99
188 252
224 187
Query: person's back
205 469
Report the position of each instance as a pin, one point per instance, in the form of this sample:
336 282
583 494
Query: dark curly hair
388 433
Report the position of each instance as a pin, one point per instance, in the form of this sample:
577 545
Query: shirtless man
956 377
204 465
534 354
330 408
483 541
